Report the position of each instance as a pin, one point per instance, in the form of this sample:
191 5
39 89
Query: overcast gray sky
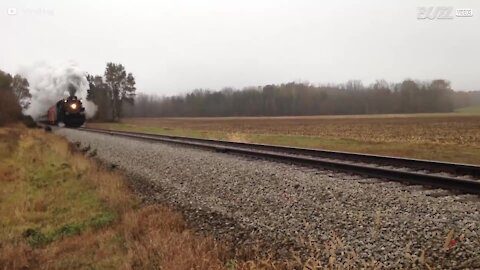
175 46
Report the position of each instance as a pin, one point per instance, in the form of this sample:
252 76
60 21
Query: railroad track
452 176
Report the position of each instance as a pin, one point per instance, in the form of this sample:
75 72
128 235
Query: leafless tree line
306 99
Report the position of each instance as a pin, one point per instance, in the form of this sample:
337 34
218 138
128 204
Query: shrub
10 110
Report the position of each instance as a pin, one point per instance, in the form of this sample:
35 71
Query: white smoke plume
51 83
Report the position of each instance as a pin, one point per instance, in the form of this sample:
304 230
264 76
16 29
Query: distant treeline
306 99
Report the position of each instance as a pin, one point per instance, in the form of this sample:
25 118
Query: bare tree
121 86
100 94
20 89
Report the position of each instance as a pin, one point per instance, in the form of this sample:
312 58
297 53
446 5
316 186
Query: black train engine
68 111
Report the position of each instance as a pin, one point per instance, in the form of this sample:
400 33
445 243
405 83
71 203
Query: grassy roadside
62 211
447 137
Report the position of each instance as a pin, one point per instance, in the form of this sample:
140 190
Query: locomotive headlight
73 106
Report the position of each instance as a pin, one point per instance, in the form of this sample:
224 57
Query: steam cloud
49 84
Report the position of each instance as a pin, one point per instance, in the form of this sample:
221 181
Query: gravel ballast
296 210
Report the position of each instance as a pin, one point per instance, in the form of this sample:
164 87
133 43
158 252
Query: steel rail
323 159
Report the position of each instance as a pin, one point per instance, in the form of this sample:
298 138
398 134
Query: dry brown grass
151 237
237 137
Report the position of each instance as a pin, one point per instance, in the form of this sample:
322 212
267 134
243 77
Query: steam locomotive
68 111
